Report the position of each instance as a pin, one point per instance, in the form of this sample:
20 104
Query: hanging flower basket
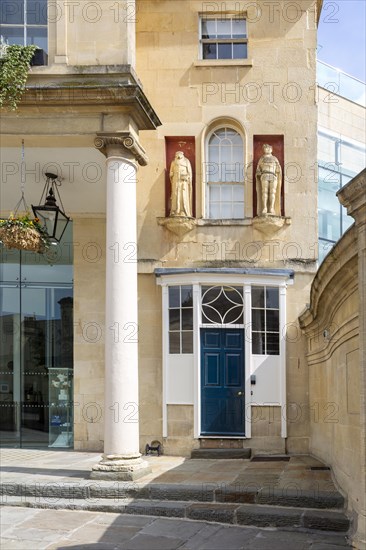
23 233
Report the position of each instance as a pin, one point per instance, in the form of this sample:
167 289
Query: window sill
223 63
212 222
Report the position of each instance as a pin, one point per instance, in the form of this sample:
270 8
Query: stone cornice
353 197
119 144
106 87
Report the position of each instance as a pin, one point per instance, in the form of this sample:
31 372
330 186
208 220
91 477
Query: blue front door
222 382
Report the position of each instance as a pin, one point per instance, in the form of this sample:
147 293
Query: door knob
240 393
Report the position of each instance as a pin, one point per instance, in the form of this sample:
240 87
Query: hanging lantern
53 219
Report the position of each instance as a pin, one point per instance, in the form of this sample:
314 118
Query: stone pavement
288 494
47 466
32 529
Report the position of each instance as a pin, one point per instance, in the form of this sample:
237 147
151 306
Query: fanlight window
222 305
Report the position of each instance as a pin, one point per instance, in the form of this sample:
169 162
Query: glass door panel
36 346
46 345
36 365
35 342
10 378
9 265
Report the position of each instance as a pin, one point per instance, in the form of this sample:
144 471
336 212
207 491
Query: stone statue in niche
181 180
268 180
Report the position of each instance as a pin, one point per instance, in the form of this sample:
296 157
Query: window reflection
339 161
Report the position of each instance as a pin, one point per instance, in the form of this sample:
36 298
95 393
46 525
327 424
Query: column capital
120 144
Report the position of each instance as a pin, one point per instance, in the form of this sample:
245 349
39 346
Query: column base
122 468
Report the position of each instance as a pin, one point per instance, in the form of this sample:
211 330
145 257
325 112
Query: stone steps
221 453
240 504
204 492
235 514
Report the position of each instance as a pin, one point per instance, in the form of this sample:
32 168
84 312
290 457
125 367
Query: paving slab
114 534
230 538
148 542
124 520
33 534
182 529
96 533
207 532
8 544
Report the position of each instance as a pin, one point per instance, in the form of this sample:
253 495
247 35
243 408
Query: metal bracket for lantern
154 447
50 215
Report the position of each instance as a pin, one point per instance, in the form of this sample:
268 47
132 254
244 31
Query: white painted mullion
25 23
196 359
282 291
248 358
165 354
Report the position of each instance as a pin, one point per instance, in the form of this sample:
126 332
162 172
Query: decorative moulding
179 225
269 224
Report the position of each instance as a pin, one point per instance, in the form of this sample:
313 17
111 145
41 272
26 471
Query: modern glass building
340 154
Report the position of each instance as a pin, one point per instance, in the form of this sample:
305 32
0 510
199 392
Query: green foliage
14 67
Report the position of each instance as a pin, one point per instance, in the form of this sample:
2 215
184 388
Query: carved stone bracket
179 225
269 224
111 144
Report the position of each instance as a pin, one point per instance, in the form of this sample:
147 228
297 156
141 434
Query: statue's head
179 155
267 148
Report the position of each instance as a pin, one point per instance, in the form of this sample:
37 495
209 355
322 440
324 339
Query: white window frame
232 40
25 25
197 280
207 202
264 329
181 330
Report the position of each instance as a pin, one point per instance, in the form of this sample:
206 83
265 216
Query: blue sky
341 36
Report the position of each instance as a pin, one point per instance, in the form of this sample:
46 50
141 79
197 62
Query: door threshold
222 437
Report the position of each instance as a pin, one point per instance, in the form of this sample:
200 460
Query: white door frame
197 278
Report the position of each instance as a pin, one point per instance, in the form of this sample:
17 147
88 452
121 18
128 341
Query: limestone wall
92 33
89 292
336 375
271 93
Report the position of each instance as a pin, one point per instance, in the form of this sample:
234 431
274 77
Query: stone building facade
220 356
198 98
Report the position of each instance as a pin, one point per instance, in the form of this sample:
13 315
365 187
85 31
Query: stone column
121 458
